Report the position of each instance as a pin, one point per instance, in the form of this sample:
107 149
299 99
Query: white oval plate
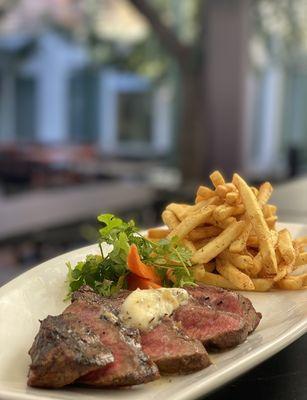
40 291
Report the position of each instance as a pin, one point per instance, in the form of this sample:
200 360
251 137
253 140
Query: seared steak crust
64 349
131 366
172 350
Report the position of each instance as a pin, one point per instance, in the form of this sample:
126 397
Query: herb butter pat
144 309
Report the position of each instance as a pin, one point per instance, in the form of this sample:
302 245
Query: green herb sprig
106 273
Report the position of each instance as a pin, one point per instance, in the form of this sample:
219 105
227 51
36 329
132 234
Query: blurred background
121 105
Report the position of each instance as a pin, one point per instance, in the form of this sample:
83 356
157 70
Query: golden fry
203 232
253 272
196 207
285 246
198 199
292 282
239 245
271 221
232 198
234 275
301 259
191 221
265 192
258 222
198 271
274 237
157 233
240 261
170 219
179 210
217 179
218 244
205 192
201 243
215 280
222 190
255 191
225 211
226 222
189 245
301 240
269 210
222 212
252 241
262 285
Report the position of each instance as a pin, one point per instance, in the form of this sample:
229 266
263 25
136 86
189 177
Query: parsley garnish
106 273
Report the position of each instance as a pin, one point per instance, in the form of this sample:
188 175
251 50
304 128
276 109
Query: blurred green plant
280 26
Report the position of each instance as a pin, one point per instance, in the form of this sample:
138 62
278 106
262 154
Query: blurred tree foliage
171 49
280 27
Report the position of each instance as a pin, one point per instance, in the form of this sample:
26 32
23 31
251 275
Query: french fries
220 243
234 275
257 220
234 243
191 221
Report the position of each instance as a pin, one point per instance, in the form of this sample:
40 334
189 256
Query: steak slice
214 328
226 300
63 350
112 303
166 344
172 350
131 366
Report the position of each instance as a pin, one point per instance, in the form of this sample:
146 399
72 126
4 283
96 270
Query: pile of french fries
231 232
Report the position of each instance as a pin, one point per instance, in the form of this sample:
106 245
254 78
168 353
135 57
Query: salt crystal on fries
233 240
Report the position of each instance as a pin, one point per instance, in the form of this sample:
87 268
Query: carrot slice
140 269
136 282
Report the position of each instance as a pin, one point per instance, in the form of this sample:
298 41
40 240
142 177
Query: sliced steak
214 328
115 302
225 300
166 344
112 303
131 365
63 350
172 350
